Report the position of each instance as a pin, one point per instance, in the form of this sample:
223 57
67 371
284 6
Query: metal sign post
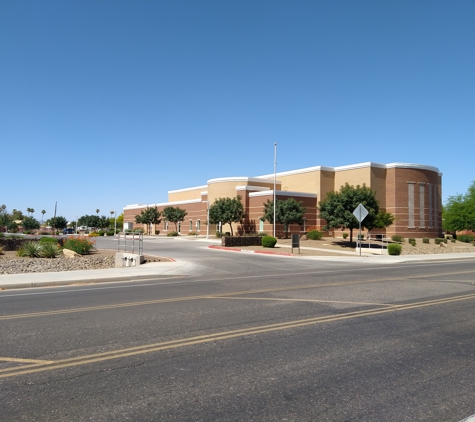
360 213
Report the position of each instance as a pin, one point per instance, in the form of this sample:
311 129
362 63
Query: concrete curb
66 282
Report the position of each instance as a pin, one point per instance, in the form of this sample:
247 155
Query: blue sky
109 103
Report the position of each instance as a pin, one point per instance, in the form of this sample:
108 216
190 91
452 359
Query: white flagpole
275 167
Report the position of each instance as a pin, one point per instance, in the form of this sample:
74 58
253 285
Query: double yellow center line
41 366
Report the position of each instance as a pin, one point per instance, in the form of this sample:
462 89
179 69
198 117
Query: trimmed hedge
394 249
314 235
268 241
241 240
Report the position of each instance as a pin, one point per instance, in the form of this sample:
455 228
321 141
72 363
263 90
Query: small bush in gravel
314 235
439 240
412 242
173 234
425 240
49 250
110 233
1 250
268 241
394 249
30 249
80 245
345 235
397 238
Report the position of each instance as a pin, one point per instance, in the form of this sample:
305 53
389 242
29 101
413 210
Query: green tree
93 221
43 217
174 214
458 214
120 221
226 211
30 223
17 215
59 222
148 216
286 212
337 208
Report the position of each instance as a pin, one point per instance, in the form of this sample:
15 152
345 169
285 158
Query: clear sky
109 103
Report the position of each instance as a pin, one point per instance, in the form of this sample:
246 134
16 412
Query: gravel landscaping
10 263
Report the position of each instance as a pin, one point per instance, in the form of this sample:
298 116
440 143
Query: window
261 225
422 190
410 204
198 225
191 225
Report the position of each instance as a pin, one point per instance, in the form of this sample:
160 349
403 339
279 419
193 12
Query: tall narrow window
191 225
410 204
261 225
198 225
431 205
422 191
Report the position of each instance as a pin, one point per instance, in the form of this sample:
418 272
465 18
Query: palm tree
28 210
97 211
42 218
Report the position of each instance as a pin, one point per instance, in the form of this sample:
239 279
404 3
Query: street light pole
115 223
275 167
76 218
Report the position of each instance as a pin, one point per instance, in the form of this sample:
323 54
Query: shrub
425 240
80 245
173 234
227 234
110 233
397 238
219 235
1 250
453 240
262 234
157 232
411 239
49 250
31 249
138 231
473 243
345 235
268 241
101 232
192 234
44 240
26 231
42 233
412 242
438 240
93 234
466 238
314 235
394 249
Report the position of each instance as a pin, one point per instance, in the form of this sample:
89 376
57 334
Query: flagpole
275 167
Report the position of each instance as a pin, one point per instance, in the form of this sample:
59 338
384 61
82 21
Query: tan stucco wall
186 194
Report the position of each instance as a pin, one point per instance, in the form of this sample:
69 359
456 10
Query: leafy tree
30 223
58 222
458 213
226 211
17 215
174 214
383 219
93 221
148 216
286 212
337 208
120 221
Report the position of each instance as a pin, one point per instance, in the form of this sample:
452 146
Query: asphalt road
245 338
